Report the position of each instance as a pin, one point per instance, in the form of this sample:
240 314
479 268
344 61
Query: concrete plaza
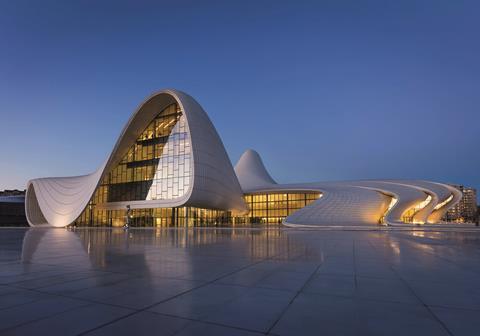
239 282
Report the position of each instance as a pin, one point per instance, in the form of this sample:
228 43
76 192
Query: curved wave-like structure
59 201
425 201
345 203
373 202
340 205
173 120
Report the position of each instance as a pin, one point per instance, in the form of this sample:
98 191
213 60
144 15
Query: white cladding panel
215 184
59 201
346 203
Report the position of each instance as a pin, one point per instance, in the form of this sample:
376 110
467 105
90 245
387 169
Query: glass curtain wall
155 217
157 166
263 209
273 208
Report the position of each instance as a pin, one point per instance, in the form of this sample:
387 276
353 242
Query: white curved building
170 168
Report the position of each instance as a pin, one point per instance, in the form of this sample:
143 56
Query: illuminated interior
169 167
408 216
155 217
273 208
393 201
157 166
440 205
263 209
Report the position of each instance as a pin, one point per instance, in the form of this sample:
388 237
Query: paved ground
239 282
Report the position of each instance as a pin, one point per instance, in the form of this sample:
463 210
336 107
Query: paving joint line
205 322
293 299
433 315
43 318
175 296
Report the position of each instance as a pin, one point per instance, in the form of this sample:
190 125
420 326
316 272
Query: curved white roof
59 201
215 184
345 203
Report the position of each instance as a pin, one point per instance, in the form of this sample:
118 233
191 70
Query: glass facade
263 209
154 217
273 208
158 166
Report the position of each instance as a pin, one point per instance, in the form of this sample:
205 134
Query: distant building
465 211
12 208
12 192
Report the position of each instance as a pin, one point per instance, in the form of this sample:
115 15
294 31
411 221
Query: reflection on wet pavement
239 282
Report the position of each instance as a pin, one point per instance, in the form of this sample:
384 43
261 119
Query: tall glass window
158 166
273 208
155 217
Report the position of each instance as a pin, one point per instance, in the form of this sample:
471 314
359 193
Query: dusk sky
323 90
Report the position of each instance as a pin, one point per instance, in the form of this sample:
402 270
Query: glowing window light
274 207
439 205
392 204
408 215
393 201
169 123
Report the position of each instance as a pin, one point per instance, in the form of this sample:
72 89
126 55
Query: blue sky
323 90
